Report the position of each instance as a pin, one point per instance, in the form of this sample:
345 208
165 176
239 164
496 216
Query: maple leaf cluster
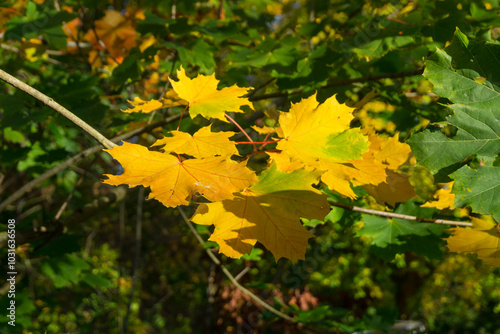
314 143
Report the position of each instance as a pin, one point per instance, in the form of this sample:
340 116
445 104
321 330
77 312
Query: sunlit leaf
175 182
483 239
204 143
143 106
444 198
205 99
311 132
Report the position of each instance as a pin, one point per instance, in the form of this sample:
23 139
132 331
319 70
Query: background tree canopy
355 144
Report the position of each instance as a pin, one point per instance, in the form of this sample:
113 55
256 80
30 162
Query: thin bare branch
70 196
256 89
137 254
57 107
242 273
398 215
338 83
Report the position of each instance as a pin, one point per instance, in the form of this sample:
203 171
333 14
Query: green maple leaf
478 188
392 236
467 74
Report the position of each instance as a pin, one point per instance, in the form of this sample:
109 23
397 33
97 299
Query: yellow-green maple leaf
483 239
268 212
311 132
174 182
373 170
203 144
205 99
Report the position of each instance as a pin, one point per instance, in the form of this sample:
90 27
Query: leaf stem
230 276
242 130
257 142
180 119
265 140
57 107
260 87
398 215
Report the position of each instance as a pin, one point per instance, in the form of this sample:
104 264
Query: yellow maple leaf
205 99
268 212
313 132
372 169
392 152
204 143
444 198
338 177
283 162
483 239
172 99
174 182
147 42
144 106
338 180
265 130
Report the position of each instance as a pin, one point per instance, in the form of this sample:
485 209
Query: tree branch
345 82
230 276
398 215
51 172
57 107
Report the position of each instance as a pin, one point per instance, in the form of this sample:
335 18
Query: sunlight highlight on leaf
174 182
204 143
143 106
483 239
312 132
205 99
444 198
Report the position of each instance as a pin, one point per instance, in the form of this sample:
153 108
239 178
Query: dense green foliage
107 260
